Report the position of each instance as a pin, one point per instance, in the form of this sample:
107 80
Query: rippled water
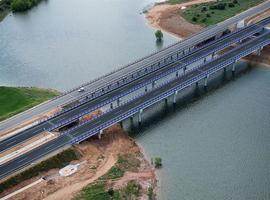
214 145
61 44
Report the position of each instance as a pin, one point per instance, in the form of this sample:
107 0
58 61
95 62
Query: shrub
194 19
204 9
20 5
204 20
159 35
231 5
158 162
208 15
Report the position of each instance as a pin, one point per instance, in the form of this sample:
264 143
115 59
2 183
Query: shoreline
165 16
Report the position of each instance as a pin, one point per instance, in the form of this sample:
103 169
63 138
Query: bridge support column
174 97
259 51
233 68
205 81
197 84
177 74
185 68
224 69
213 55
100 133
111 105
140 116
145 88
153 84
118 101
121 124
204 60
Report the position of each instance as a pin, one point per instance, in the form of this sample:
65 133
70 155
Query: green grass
178 1
58 161
14 100
206 14
99 191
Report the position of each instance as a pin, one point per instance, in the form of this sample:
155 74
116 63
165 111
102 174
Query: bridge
144 83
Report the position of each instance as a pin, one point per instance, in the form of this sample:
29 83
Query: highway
92 105
122 72
122 110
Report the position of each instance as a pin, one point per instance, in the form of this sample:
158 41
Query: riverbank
5 8
14 100
168 17
112 166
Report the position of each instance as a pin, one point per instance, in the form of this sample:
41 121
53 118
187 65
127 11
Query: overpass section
138 104
152 77
101 85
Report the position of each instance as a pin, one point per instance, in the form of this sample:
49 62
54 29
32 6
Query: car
81 89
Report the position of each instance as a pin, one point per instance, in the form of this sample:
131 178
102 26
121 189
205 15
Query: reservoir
214 144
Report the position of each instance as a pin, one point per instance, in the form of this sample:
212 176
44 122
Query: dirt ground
166 17
98 156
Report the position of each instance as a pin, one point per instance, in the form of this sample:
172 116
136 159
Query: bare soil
98 156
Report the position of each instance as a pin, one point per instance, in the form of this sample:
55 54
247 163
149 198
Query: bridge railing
177 66
168 93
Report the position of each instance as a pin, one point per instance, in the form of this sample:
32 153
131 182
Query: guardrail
192 61
148 81
179 87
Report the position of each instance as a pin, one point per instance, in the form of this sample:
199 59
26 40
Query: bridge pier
145 88
174 97
224 69
121 124
140 116
118 102
177 74
205 81
153 84
111 106
100 133
259 51
185 68
204 60
233 68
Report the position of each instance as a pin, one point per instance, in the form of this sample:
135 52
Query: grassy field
214 12
14 100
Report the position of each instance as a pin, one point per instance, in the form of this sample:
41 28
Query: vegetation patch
214 12
100 190
58 161
125 162
178 1
23 5
14 100
5 8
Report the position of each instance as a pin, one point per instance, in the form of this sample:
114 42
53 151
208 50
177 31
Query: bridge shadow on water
166 109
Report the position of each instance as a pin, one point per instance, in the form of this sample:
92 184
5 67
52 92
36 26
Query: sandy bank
166 17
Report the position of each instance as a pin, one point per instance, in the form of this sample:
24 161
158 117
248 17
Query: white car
81 89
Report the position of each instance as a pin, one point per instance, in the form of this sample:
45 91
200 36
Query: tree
158 162
20 5
159 35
